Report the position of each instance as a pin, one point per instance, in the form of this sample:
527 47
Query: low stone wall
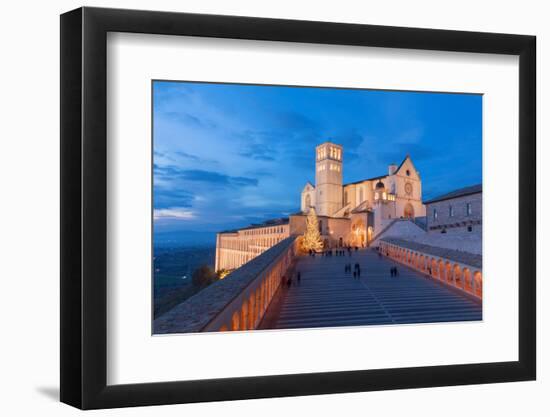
238 302
399 227
462 270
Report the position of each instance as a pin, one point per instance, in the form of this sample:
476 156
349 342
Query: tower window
435 214
408 173
468 209
451 211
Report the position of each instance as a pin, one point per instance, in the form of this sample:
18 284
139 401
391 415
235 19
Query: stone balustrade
238 302
462 270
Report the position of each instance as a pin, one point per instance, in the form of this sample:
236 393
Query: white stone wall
403 229
460 220
237 248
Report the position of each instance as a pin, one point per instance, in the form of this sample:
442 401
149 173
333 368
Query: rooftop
268 223
461 192
380 176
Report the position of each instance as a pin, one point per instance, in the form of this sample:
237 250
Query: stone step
329 297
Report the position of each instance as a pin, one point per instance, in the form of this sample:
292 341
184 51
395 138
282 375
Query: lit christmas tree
311 240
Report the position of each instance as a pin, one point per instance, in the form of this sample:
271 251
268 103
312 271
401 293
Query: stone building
459 211
369 205
349 214
236 247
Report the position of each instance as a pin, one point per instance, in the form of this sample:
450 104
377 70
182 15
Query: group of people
356 270
288 281
335 252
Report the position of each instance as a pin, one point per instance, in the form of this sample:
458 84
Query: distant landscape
173 269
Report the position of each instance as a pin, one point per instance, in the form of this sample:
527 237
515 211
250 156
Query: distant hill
184 238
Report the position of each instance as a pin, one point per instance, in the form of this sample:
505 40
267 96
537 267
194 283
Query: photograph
278 207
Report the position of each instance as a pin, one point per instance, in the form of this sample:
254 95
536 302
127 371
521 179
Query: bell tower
328 178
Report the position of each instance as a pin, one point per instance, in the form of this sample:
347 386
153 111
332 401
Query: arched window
345 198
360 195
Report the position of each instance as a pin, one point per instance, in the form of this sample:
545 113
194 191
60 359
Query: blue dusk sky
227 155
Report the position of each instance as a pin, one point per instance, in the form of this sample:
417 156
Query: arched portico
467 279
457 275
478 283
441 270
450 272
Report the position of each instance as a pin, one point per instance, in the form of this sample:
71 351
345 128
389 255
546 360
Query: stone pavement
328 297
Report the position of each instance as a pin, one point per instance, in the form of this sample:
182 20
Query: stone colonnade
247 310
464 277
234 249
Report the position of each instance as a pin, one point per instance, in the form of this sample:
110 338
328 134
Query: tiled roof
363 207
366 179
380 176
267 223
461 192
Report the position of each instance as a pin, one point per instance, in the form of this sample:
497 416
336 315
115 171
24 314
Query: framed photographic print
258 207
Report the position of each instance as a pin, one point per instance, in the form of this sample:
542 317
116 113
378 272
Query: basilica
355 214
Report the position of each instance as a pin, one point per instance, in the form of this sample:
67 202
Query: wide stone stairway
328 297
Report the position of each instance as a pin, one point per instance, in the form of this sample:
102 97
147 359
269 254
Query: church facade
349 214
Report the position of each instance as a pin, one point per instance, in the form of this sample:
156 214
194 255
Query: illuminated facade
349 214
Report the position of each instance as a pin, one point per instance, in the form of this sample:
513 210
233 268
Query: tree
311 240
203 276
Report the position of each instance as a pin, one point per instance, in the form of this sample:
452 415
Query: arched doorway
408 212
358 233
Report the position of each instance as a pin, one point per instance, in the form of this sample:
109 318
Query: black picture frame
84 207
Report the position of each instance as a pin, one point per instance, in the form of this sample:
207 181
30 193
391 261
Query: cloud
259 152
294 120
174 212
398 151
188 119
164 197
172 173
